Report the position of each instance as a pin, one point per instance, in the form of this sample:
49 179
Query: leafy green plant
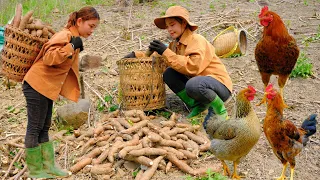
172 4
162 113
235 55
211 6
210 176
195 121
162 13
12 119
224 6
10 109
134 173
107 99
13 153
303 67
305 2
288 23
17 165
311 39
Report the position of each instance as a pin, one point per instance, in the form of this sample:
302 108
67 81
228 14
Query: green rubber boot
197 110
218 107
49 163
34 163
191 103
186 99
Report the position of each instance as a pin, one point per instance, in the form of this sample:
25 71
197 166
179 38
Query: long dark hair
85 13
180 20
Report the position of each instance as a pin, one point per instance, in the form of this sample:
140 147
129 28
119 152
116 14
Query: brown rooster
234 138
276 52
284 137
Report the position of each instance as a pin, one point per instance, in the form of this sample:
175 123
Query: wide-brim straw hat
175 11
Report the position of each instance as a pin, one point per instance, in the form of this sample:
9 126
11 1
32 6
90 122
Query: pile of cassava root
133 136
30 25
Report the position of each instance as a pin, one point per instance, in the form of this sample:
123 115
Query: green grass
303 67
306 41
210 176
212 7
43 8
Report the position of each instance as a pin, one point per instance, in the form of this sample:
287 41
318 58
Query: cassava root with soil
115 139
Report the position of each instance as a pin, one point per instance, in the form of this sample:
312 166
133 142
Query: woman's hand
158 46
76 43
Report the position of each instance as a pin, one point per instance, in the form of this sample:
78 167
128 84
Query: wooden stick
82 93
11 135
312 140
13 161
66 156
316 77
18 175
94 91
108 43
107 92
89 113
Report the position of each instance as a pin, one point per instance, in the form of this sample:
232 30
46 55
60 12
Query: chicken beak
263 100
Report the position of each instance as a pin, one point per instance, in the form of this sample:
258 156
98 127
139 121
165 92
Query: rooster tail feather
309 125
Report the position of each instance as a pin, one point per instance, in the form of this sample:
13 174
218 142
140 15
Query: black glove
76 43
158 46
130 55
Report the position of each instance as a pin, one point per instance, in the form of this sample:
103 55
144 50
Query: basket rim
19 31
142 59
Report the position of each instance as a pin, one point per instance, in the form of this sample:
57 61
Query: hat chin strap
178 38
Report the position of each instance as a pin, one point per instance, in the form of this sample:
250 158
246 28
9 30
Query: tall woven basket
141 83
19 52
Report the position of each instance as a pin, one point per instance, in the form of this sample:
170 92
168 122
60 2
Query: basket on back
19 52
141 83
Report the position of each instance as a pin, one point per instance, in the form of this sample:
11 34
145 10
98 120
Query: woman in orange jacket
195 72
55 72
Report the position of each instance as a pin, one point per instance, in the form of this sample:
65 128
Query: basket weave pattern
19 52
141 83
230 41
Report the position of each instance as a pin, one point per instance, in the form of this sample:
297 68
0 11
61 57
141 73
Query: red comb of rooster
269 88
263 10
251 89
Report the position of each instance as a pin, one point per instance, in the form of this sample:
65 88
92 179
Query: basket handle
235 46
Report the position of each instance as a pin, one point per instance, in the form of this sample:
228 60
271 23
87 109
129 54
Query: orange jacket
193 56
55 70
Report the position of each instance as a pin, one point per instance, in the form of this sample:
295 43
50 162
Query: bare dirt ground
131 28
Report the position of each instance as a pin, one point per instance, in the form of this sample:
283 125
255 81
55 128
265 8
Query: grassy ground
43 8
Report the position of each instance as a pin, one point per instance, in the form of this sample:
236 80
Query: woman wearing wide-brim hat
195 72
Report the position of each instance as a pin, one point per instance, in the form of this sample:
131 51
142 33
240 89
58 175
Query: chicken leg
265 79
226 171
235 175
292 171
282 80
283 176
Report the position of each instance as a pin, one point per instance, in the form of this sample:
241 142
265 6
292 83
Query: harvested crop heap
139 138
30 25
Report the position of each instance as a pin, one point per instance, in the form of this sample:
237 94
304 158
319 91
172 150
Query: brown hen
285 138
234 138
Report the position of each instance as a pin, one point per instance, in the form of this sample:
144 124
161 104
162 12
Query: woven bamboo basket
141 83
230 41
19 52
